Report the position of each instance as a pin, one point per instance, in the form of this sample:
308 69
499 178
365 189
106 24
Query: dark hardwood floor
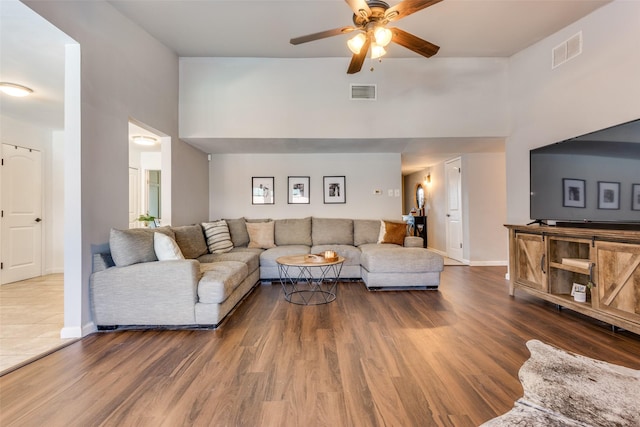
401 358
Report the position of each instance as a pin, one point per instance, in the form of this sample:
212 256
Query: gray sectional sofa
130 288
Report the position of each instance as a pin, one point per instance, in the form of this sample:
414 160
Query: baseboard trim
77 331
489 263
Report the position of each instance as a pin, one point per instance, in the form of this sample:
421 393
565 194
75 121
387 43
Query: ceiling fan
370 19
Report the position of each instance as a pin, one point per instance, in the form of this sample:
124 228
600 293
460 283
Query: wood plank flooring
399 358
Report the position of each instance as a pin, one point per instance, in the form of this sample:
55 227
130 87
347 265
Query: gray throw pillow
238 231
134 245
191 240
293 231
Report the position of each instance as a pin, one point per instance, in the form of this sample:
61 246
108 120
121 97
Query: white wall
485 206
484 201
309 98
596 89
125 73
292 98
230 185
55 204
51 144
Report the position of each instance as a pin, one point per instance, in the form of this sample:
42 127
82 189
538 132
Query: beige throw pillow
261 234
392 232
166 248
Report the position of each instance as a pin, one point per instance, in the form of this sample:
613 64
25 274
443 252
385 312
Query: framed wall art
262 190
573 193
298 190
635 197
334 189
608 195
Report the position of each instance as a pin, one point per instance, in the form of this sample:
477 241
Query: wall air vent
363 92
566 50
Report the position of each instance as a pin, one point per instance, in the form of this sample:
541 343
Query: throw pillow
134 245
218 237
166 248
190 240
238 231
392 232
261 235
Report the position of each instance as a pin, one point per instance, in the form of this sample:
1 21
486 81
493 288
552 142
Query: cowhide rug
565 389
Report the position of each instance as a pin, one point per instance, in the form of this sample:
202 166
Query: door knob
38 219
448 215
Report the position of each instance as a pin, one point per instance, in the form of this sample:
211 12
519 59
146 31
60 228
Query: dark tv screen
593 178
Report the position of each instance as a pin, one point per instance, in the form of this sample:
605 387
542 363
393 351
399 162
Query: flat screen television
590 180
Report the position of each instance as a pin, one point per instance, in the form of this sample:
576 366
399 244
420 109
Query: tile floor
31 317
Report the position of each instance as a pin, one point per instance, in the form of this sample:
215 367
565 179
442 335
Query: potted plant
146 219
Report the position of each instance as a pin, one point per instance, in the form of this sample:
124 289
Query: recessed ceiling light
13 89
144 140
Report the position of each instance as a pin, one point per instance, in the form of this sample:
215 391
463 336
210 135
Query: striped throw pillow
218 237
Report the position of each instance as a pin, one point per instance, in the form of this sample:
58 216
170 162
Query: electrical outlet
390 193
396 192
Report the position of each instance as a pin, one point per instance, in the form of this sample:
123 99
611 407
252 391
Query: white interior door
21 213
453 182
134 197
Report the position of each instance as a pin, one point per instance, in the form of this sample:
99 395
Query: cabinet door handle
542 263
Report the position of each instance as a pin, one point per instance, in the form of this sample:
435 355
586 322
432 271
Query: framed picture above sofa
298 190
262 190
335 189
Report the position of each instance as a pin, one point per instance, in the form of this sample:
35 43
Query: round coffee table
309 283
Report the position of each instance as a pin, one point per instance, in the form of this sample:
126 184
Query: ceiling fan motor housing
378 9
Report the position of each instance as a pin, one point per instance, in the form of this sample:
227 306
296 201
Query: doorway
149 185
454 215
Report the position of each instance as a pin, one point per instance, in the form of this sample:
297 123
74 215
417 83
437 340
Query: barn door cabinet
547 261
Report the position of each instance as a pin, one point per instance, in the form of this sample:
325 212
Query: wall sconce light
428 179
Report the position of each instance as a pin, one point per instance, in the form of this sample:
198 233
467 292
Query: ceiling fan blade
321 35
406 8
358 59
413 43
359 7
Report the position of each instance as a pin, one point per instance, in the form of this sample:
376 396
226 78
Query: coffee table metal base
308 284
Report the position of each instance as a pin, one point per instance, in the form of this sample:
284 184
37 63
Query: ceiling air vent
566 50
363 92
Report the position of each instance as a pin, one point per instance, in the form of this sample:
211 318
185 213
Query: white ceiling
263 28
32 51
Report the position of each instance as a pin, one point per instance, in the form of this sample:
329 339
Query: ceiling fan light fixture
355 43
144 140
383 36
14 89
377 51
